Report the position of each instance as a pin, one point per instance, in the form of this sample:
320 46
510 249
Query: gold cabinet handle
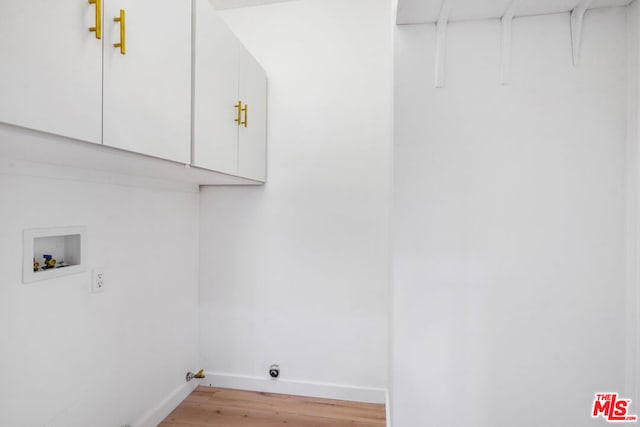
98 28
245 109
238 106
123 37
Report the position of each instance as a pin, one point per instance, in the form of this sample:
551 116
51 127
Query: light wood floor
219 407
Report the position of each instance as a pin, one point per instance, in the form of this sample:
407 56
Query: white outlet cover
98 280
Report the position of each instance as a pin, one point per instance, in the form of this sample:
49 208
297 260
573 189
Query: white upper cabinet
252 138
145 76
230 101
215 130
56 76
147 90
51 67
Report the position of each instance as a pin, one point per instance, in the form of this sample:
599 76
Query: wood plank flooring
219 407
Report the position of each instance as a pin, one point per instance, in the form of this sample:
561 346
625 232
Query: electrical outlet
97 285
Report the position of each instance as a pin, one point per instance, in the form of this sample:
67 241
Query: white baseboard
298 388
160 412
387 407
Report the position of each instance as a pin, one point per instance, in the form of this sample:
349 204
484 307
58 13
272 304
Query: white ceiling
428 11
232 4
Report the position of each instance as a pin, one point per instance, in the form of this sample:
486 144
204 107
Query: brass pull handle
123 38
238 106
245 109
98 28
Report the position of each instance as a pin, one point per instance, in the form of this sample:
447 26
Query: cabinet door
51 67
252 141
147 91
215 131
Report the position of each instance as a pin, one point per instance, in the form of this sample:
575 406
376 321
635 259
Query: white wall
297 272
509 219
633 207
72 358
